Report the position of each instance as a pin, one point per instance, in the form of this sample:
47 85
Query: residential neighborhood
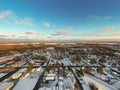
62 66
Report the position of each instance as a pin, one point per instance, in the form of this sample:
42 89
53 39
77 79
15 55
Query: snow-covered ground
66 61
115 69
2 74
98 83
52 83
5 85
68 83
49 88
26 84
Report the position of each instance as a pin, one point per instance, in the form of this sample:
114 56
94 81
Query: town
60 66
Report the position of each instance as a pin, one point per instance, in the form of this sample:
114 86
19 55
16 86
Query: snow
66 61
17 73
68 82
52 83
60 85
50 75
115 69
2 74
48 88
50 48
61 78
39 69
117 85
49 78
85 87
26 84
3 86
8 57
28 81
98 83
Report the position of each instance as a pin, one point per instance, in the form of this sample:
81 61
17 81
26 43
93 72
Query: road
80 85
8 75
40 80
12 72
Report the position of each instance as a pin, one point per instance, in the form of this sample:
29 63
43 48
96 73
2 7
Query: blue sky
30 20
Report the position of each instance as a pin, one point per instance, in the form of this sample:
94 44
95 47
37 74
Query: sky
59 20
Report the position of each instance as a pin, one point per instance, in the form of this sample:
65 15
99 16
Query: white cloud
24 22
5 16
51 31
2 35
27 38
93 16
106 36
34 32
108 17
108 29
99 17
31 32
47 24
19 37
10 17
62 32
70 27
107 33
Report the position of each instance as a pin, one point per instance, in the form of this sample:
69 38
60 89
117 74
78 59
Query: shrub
92 86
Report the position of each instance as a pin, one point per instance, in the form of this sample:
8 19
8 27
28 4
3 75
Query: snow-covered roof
50 75
49 78
61 78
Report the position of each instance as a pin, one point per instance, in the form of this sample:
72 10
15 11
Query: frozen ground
49 88
26 84
2 74
66 61
98 83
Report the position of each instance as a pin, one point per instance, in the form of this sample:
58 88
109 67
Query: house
50 77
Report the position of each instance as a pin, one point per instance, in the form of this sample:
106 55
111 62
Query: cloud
108 29
110 32
34 32
107 17
5 16
24 22
47 24
2 35
8 36
115 36
18 38
62 32
27 38
31 32
99 17
10 17
70 27
93 16
39 33
84 35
